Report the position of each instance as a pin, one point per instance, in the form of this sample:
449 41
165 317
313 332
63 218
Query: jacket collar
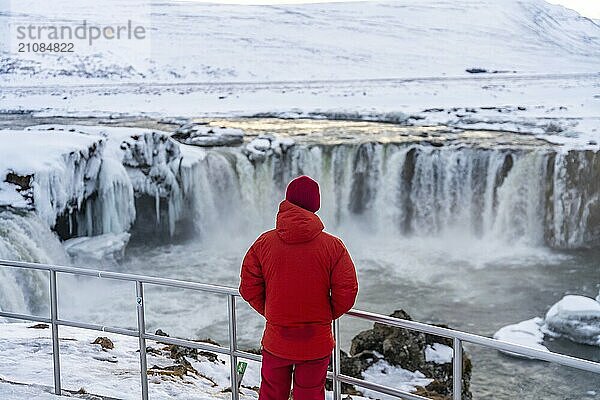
297 225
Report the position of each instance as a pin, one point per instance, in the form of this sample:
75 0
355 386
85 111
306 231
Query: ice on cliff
57 169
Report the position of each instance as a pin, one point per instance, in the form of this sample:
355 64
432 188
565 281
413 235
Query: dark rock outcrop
405 349
104 342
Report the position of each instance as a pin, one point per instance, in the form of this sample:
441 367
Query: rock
159 332
409 350
203 135
265 146
253 351
576 318
352 366
398 346
209 341
476 70
22 181
39 326
172 370
179 352
104 342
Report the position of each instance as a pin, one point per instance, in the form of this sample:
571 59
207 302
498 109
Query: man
300 279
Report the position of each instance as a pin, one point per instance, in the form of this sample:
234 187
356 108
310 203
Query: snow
207 136
64 164
72 162
26 357
439 353
19 392
149 163
66 168
368 60
109 246
569 103
365 40
576 318
388 375
526 333
9 196
265 146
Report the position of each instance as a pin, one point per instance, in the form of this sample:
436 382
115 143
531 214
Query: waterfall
26 237
531 195
534 196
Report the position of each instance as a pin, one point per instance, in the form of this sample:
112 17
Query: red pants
276 373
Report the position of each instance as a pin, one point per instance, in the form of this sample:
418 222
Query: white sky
588 8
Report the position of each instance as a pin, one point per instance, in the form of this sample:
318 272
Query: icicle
70 222
157 206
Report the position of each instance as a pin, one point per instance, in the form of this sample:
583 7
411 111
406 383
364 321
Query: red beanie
304 192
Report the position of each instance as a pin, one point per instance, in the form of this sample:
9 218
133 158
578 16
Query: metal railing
458 337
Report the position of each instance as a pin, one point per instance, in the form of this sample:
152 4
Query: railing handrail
205 287
457 336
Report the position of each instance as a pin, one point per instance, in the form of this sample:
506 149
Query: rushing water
474 230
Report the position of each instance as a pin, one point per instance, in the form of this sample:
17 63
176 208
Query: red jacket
300 279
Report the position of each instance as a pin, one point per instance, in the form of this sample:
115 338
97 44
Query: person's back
300 279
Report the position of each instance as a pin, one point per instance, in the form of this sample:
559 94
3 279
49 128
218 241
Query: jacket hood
297 225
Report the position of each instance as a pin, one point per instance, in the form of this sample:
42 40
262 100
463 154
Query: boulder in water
576 318
204 135
526 333
265 146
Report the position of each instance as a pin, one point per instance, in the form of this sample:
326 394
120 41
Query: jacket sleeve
252 283
344 285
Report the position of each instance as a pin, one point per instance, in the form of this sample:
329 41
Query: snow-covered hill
188 41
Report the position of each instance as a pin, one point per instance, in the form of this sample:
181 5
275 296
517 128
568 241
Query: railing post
457 364
233 347
141 325
337 385
55 344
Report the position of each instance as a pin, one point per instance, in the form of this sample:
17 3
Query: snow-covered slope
27 358
188 41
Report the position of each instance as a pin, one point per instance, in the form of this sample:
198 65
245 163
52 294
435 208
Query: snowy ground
26 358
402 62
394 61
191 41
565 109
